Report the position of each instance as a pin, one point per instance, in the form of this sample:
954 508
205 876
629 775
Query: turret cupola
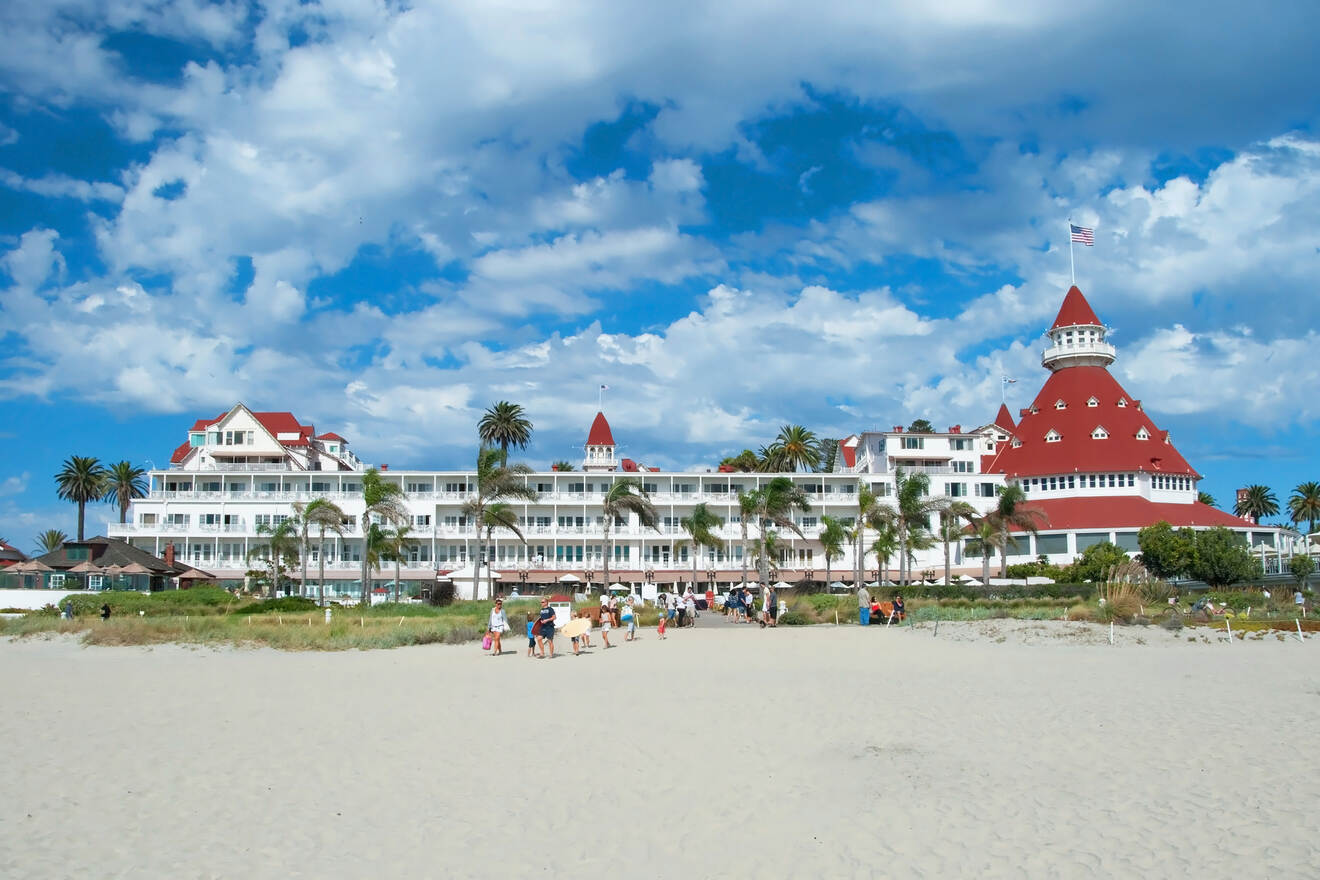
600 447
1077 338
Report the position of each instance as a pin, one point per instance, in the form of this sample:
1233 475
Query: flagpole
600 399
1072 263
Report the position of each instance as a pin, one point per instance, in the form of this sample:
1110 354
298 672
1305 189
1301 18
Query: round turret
1077 338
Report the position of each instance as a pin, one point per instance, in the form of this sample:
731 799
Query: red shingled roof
1004 419
600 435
1128 512
1075 310
332 436
1076 451
181 451
849 452
628 465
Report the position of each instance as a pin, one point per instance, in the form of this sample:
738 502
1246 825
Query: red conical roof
1004 419
1075 310
600 435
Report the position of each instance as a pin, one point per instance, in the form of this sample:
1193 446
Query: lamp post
710 576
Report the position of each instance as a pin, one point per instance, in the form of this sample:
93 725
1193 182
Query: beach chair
888 616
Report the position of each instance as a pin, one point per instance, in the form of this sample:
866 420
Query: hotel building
1085 452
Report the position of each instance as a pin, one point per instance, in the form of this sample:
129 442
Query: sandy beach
999 749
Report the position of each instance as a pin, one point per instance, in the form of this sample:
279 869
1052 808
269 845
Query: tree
984 542
50 540
833 537
504 425
562 467
884 546
921 426
795 448
952 519
745 461
773 505
700 528
1096 561
1301 567
1012 512
1258 501
1305 505
82 479
495 515
1222 558
911 513
281 547
1165 552
868 516
396 544
829 453
495 482
747 503
385 501
124 483
325 516
625 496
1207 498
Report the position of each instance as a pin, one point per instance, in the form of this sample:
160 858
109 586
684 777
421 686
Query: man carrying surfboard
545 628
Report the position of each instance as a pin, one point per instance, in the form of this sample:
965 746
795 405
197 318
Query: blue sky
386 216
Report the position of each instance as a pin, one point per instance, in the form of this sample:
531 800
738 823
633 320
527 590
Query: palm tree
281 547
124 483
1207 498
700 527
773 505
795 448
504 425
1012 512
770 459
495 482
495 515
396 544
747 502
82 479
868 510
1305 504
387 502
625 496
325 515
910 514
833 537
1257 502
884 546
50 540
983 542
951 526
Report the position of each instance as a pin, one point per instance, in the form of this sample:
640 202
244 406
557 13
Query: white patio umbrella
569 579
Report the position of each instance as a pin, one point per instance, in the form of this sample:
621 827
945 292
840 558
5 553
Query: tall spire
1077 338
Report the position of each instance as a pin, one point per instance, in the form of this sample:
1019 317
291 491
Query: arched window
1059 404
1122 401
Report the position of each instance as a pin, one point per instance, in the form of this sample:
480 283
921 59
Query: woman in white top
499 624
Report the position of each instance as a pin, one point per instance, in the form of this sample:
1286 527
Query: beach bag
486 642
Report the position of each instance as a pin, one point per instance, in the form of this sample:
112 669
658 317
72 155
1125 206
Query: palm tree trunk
302 585
605 566
985 565
1003 554
476 565
902 552
746 549
397 564
320 561
366 551
123 511
945 536
82 505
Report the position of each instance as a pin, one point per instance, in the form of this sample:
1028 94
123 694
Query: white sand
816 752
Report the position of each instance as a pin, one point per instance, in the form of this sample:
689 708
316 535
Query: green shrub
284 604
793 618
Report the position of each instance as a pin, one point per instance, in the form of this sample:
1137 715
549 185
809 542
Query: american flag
1082 234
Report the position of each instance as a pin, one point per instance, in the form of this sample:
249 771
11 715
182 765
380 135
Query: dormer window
1143 434
1092 402
1122 401
1059 404
1032 409
1016 443
1053 436
1099 433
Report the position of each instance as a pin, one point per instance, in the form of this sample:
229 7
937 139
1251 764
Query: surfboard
575 627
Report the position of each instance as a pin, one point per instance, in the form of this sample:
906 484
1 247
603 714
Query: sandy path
725 752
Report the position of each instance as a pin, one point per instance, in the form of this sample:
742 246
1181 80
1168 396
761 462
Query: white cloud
14 485
62 186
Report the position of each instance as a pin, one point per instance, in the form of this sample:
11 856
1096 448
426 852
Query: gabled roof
1076 451
180 452
109 551
848 449
1075 310
332 436
600 435
1004 419
628 465
1127 512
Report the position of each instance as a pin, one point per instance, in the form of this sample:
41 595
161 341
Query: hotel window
1053 484
456 487
1099 433
1111 481
987 490
197 439
1092 402
213 438
147 519
809 522
422 519
1071 482
1016 443
1092 481
961 444
963 467
320 487
1132 480
419 487
249 438
650 488
957 490
1053 436
914 442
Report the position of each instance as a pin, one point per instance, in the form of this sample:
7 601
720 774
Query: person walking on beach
498 626
690 608
606 622
863 605
630 621
545 634
531 634
660 627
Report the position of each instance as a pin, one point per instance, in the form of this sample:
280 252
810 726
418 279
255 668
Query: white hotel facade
1094 482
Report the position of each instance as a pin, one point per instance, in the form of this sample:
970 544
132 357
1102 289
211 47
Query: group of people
541 626
871 610
741 606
